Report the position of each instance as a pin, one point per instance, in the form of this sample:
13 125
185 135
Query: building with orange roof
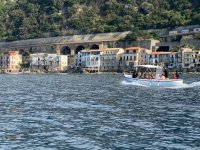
133 56
111 59
14 61
159 58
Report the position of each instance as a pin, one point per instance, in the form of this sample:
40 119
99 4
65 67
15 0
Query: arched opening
21 51
31 50
79 48
66 50
94 46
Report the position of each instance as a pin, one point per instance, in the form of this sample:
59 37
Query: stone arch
21 51
79 48
31 50
94 46
65 50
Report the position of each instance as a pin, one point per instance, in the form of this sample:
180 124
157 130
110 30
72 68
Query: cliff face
24 19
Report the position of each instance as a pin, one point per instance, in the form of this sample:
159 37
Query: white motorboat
152 82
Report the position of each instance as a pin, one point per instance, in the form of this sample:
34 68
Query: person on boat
162 77
176 75
134 74
152 76
139 75
166 74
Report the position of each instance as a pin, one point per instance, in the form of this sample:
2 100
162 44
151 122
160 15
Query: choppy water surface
96 112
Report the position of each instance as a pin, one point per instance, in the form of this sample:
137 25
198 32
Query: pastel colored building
133 56
111 59
190 58
15 59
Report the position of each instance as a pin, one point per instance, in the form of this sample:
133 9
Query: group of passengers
165 75
144 75
150 75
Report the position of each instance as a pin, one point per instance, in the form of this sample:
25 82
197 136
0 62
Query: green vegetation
197 36
139 34
25 19
178 47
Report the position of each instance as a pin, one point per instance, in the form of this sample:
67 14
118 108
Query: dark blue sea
97 112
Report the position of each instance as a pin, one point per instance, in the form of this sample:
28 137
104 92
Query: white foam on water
192 85
132 83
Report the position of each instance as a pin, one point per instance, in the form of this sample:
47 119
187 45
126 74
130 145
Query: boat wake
191 85
132 83
194 84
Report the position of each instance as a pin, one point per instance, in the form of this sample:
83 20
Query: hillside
24 19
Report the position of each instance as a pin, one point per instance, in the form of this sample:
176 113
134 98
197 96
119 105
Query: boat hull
154 82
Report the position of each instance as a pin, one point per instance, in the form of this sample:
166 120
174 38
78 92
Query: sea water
97 112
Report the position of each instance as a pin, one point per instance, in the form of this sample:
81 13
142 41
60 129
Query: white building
173 32
48 62
196 29
89 60
159 58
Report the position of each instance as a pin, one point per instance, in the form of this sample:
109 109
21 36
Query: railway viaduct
66 45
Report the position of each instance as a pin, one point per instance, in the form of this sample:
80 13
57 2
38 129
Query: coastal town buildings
159 58
43 62
190 58
3 62
133 56
173 60
10 62
111 59
15 59
100 60
89 60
